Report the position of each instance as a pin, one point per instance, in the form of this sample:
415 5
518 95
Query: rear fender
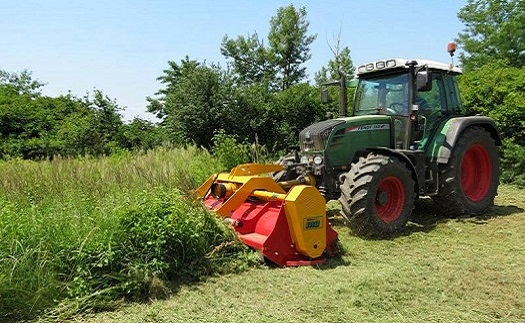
442 145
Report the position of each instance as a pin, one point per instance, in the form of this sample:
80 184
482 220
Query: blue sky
121 47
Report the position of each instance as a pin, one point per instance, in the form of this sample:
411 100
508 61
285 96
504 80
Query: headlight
391 63
304 160
318 160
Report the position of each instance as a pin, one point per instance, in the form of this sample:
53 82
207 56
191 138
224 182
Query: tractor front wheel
469 181
377 195
288 173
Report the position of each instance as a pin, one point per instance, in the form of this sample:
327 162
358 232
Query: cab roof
400 63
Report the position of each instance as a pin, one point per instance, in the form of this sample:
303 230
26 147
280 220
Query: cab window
386 94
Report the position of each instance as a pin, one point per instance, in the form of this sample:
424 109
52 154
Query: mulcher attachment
290 228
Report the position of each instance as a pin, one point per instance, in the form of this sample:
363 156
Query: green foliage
142 134
296 108
342 62
246 112
192 101
279 65
37 127
250 60
290 44
20 83
495 32
85 232
497 92
513 163
228 150
158 238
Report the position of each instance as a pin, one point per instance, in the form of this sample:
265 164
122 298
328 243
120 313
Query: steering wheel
395 108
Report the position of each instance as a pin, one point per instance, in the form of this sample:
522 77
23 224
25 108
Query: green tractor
407 136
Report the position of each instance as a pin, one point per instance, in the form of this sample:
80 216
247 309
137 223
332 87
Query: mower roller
285 221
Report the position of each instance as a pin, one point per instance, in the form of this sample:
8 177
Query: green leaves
280 64
495 31
160 237
342 62
290 44
20 83
497 92
250 59
513 164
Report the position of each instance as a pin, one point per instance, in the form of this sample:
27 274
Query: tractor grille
315 136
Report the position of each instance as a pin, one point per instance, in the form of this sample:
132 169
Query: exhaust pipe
343 103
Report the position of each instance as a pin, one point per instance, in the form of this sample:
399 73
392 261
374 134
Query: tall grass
82 233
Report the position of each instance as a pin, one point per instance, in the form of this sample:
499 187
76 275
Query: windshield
386 94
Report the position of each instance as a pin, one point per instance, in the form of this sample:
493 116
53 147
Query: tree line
263 94
33 126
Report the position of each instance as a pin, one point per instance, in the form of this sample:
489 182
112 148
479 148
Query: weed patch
83 234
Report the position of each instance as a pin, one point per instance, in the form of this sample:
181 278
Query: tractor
406 137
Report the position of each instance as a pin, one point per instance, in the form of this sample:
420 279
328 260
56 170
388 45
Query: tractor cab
415 94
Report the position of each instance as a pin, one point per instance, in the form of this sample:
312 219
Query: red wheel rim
390 199
476 172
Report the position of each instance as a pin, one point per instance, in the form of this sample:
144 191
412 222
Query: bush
228 151
160 238
513 164
86 232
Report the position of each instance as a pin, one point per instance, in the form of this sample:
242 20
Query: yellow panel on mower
289 227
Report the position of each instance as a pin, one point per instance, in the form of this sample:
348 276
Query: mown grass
440 270
78 234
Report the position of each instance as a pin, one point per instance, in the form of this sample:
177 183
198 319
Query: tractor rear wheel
377 195
469 182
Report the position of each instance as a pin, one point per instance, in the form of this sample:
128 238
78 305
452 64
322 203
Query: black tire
377 195
469 182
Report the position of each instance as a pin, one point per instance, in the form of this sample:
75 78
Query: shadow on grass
501 210
426 216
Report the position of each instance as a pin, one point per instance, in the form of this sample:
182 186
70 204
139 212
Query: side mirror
325 97
424 81
352 83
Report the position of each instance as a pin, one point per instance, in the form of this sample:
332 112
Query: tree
296 108
342 62
494 32
497 92
191 104
290 44
106 126
20 83
250 60
141 134
279 65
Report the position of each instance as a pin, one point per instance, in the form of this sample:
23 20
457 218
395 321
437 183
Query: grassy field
79 234
111 235
440 270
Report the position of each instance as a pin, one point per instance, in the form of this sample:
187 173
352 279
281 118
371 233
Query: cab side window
433 104
453 99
